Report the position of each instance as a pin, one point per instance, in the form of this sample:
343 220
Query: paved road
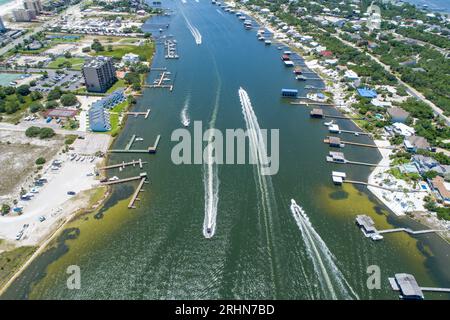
23 126
437 111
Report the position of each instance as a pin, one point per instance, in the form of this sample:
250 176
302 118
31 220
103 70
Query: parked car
71 193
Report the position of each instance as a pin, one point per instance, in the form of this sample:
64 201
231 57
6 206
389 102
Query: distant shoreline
7 7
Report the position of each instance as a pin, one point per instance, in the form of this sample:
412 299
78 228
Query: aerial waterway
257 248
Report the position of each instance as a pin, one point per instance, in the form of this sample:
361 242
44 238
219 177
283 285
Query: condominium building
24 15
2 26
99 118
35 5
99 74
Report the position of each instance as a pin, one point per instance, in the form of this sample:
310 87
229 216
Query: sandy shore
7 8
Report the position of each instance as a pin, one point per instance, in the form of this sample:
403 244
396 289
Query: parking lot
70 80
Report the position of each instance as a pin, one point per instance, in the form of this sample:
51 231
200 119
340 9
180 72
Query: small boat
261 38
280 48
268 42
329 123
298 70
376 237
300 78
139 139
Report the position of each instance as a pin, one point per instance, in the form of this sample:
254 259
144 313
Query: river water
261 248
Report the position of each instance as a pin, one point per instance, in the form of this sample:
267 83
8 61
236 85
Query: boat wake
184 115
332 281
266 198
194 31
211 179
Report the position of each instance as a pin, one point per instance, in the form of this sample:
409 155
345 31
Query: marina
151 149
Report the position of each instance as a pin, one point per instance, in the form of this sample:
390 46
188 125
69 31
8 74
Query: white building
130 58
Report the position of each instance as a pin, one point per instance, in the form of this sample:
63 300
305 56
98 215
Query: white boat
329 123
139 139
113 178
376 237
268 42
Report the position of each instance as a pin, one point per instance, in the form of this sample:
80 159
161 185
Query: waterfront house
397 114
130 58
423 163
380 104
441 189
367 93
402 129
414 143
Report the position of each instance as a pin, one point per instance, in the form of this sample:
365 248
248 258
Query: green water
158 251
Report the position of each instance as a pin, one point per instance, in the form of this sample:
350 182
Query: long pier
144 174
355 132
135 113
124 164
341 117
407 230
314 103
135 198
380 187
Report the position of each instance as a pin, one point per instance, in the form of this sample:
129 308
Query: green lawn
118 52
76 63
120 83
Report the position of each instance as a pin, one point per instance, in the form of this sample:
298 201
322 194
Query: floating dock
124 164
135 114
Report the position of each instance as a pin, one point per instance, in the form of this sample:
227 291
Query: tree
36 106
54 94
12 106
46 133
40 161
97 46
35 95
429 174
32 132
67 55
51 104
5 209
23 90
68 99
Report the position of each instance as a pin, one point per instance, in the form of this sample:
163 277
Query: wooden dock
130 143
343 143
144 174
407 230
356 133
135 198
313 103
151 149
380 187
135 114
124 164
341 117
